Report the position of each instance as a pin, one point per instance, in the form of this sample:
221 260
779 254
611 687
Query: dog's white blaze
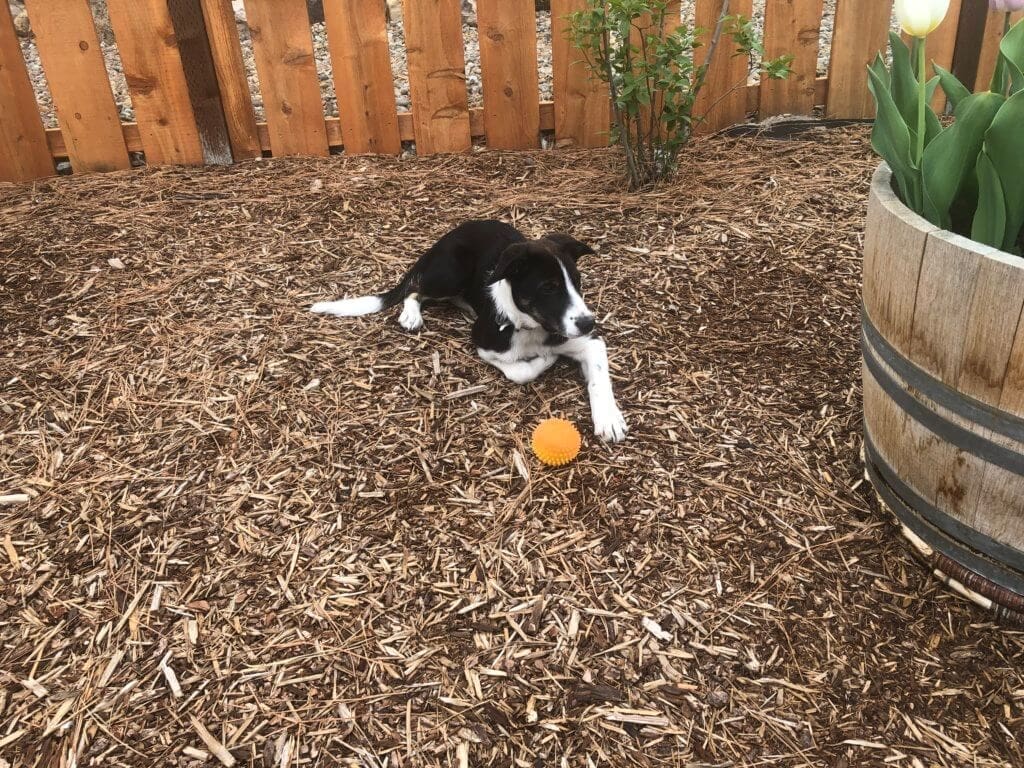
501 295
362 305
577 309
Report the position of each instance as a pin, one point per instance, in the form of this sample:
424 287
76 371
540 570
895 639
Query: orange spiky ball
556 442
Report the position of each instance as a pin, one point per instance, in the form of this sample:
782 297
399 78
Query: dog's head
536 285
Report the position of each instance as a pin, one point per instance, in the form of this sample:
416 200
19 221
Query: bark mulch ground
259 536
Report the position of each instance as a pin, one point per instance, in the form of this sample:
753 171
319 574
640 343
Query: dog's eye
549 288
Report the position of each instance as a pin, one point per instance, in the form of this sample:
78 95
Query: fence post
201 79
969 34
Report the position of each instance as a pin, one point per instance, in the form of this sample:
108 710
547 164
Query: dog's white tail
362 305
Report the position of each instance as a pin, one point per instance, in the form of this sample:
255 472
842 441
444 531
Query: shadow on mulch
261 535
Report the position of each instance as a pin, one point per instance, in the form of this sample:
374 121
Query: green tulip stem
922 97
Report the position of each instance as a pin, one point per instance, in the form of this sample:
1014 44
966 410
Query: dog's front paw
411 319
610 424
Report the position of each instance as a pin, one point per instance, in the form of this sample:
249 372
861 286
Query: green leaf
1011 51
890 138
953 154
1003 146
1000 75
878 67
903 82
955 90
989 223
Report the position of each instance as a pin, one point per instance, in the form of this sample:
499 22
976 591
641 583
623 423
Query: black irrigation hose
787 128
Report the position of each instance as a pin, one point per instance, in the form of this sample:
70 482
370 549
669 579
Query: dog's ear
511 262
568 245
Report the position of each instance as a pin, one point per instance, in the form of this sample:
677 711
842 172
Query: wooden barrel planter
943 368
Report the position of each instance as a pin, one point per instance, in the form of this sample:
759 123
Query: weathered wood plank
360 58
55 140
791 28
948 279
201 78
236 100
23 149
283 47
978 494
508 65
82 98
156 81
437 75
581 100
861 31
894 243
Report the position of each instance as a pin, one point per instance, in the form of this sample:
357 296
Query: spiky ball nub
556 442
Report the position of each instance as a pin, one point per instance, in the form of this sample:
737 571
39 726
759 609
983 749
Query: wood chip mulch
257 536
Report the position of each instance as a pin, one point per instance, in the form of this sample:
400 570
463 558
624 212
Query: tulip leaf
878 67
932 126
999 75
1012 45
903 82
1011 58
989 223
951 157
890 138
955 90
1002 144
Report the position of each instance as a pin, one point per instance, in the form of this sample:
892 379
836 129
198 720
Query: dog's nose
585 324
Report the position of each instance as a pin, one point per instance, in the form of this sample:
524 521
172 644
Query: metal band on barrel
982 414
942 532
964 439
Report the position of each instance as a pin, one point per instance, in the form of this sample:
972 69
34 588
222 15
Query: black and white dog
526 298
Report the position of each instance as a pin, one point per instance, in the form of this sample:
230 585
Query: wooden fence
186 77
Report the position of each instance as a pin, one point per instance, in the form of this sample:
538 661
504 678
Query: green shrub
652 77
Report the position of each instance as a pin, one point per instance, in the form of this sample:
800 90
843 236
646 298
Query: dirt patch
311 537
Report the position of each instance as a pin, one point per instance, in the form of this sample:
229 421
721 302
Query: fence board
791 28
990 47
23 149
235 97
437 75
201 78
723 99
861 31
73 61
508 65
55 140
283 47
581 101
156 82
360 57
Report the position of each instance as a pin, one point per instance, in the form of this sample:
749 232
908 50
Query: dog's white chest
527 343
526 358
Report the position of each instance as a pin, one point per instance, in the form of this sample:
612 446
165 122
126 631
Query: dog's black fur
465 262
